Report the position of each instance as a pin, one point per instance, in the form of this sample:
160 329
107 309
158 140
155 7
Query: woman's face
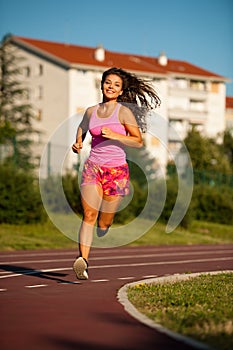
112 87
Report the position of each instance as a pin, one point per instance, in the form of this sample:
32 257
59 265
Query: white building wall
215 122
156 138
48 92
49 95
82 90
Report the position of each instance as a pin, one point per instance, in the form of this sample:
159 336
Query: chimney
162 59
99 53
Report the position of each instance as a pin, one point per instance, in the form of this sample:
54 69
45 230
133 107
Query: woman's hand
108 133
77 146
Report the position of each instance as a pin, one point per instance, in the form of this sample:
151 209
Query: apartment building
64 79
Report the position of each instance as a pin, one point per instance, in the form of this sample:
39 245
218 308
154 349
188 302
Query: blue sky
200 31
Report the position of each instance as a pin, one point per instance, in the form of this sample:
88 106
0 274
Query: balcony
188 92
194 89
192 116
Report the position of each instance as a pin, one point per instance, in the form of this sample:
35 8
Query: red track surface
44 307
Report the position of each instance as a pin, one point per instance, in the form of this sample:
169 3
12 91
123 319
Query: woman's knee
90 216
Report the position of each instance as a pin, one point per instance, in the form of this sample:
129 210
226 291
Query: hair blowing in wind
138 95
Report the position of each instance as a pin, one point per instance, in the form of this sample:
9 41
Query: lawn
200 308
47 236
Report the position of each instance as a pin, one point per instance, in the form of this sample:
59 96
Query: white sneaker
80 268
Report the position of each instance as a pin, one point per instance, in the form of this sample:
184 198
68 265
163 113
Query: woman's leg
115 187
109 206
91 201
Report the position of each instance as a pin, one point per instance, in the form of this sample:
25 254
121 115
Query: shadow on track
36 273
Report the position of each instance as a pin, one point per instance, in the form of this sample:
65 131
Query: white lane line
149 276
174 262
36 286
3 290
126 278
34 261
118 257
103 280
75 282
72 251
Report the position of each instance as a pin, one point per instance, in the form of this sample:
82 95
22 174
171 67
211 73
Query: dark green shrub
72 192
213 203
61 194
20 200
208 203
182 212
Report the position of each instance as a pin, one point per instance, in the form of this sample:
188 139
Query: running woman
117 121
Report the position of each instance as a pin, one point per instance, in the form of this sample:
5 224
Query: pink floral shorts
113 180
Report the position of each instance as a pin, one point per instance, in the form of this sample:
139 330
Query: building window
37 112
198 127
39 115
215 87
39 69
27 71
179 83
197 85
197 105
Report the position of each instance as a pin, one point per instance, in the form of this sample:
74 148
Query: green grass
47 236
33 236
200 308
199 233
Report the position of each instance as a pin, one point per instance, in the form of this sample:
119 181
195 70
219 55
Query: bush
208 203
213 204
172 191
61 195
20 200
72 192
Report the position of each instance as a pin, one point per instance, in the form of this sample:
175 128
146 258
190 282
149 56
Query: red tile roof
73 54
229 102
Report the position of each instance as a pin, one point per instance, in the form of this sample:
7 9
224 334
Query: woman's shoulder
90 110
124 109
125 113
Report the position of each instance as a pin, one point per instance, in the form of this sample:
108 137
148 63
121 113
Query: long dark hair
138 94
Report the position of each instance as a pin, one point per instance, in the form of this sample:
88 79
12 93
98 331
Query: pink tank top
106 152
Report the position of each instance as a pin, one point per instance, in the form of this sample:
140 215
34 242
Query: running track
44 307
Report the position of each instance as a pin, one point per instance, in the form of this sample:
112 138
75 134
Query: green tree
206 154
227 145
15 114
